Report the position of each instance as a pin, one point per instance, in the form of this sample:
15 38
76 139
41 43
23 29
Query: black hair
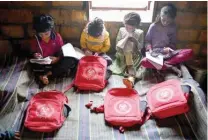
132 19
95 27
169 10
43 23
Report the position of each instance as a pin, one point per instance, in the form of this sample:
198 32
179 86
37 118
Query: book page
42 61
155 61
70 51
158 59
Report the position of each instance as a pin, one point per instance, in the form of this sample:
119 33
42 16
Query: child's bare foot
44 79
131 70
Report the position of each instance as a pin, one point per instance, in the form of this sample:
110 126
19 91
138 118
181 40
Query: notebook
157 62
41 61
68 51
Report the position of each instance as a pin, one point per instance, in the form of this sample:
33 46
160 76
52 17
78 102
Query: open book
70 51
157 62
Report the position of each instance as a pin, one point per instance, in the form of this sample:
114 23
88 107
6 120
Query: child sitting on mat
95 39
129 43
48 43
161 36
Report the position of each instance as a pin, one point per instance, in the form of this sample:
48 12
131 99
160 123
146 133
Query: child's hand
149 48
88 52
54 59
167 50
37 55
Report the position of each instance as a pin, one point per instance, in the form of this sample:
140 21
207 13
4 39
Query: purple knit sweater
161 36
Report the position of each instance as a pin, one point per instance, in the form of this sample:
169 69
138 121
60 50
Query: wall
16 20
71 17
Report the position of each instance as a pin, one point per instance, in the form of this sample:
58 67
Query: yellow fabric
129 59
100 44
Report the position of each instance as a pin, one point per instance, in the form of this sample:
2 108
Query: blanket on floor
16 86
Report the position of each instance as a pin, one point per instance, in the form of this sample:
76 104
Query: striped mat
83 125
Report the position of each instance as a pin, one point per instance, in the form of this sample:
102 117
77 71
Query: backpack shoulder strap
146 112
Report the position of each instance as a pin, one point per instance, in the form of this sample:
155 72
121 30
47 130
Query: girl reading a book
161 36
129 43
47 44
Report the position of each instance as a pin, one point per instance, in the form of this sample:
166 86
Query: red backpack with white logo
167 99
122 108
91 73
47 111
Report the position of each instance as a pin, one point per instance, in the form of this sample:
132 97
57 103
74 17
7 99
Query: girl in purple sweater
161 36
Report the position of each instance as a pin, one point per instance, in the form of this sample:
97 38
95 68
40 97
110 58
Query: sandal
129 82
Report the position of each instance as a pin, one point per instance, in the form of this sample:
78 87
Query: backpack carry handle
143 106
67 109
147 115
145 110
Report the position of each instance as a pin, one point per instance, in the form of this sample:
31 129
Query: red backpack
91 73
123 108
167 99
47 111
